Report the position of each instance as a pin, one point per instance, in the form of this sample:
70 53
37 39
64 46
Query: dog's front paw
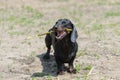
72 71
46 57
60 73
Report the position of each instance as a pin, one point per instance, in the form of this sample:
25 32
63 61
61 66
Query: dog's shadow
49 66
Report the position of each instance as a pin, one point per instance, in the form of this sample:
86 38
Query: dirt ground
21 50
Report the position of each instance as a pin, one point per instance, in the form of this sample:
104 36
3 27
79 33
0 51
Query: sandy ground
21 50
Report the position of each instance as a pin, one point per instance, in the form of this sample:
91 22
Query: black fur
64 49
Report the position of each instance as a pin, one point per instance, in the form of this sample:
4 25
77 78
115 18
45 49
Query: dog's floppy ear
74 34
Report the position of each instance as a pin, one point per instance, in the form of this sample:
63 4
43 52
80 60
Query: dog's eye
55 28
69 27
56 22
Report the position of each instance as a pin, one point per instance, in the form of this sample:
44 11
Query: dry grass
97 23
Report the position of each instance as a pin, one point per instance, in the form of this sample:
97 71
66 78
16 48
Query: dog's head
64 27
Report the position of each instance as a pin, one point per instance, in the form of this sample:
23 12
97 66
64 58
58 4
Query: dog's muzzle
61 34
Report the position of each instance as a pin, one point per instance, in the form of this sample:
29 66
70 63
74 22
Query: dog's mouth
61 34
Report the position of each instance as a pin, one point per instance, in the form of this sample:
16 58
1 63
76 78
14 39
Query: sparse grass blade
49 77
89 73
81 52
112 14
97 27
88 67
78 68
12 33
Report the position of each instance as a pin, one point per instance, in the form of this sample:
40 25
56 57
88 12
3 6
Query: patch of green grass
29 9
78 68
73 14
11 27
117 32
116 52
1 77
63 0
35 12
25 16
102 2
89 67
104 78
87 31
100 35
79 78
12 33
97 56
106 2
116 3
112 25
25 21
22 20
37 31
46 22
80 25
11 18
38 74
81 52
33 78
97 27
112 14
49 77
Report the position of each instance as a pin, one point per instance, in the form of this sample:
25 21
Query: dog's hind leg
48 42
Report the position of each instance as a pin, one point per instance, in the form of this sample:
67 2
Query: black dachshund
64 44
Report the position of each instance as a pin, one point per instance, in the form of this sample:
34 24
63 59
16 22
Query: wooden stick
67 29
45 33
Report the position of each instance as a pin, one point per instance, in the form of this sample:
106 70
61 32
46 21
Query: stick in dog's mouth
61 34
